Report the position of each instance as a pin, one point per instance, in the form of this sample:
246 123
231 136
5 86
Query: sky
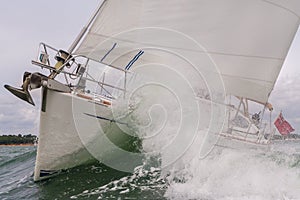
24 24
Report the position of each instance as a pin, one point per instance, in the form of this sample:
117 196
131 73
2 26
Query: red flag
283 126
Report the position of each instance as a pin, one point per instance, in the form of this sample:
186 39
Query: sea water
229 174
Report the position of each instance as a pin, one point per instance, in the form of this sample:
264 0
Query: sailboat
229 52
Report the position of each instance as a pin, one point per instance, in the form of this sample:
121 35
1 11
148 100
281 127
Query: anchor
35 80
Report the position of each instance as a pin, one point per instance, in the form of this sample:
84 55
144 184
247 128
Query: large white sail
247 40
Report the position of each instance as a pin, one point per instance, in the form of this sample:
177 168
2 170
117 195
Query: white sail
247 40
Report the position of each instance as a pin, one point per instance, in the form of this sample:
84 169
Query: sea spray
171 114
236 174
155 113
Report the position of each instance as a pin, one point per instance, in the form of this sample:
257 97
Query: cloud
18 117
22 28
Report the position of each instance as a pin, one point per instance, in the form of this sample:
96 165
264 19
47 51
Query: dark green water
94 181
229 175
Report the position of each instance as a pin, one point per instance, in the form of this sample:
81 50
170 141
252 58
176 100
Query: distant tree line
290 136
17 139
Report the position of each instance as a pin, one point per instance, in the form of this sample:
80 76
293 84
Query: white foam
163 112
236 175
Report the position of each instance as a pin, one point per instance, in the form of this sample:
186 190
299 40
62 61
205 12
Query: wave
143 182
168 130
239 175
226 174
15 156
16 171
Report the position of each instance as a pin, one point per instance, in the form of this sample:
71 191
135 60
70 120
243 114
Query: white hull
72 134
239 144
242 140
65 133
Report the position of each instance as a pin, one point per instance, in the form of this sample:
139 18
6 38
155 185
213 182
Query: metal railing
71 67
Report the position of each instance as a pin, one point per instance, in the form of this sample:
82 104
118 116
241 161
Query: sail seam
284 8
185 49
246 78
247 56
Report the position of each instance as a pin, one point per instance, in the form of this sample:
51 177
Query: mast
85 28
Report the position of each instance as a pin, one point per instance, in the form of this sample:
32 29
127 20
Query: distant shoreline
18 140
287 137
13 145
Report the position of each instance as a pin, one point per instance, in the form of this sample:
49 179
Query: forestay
247 40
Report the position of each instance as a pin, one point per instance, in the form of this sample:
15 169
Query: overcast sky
26 23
